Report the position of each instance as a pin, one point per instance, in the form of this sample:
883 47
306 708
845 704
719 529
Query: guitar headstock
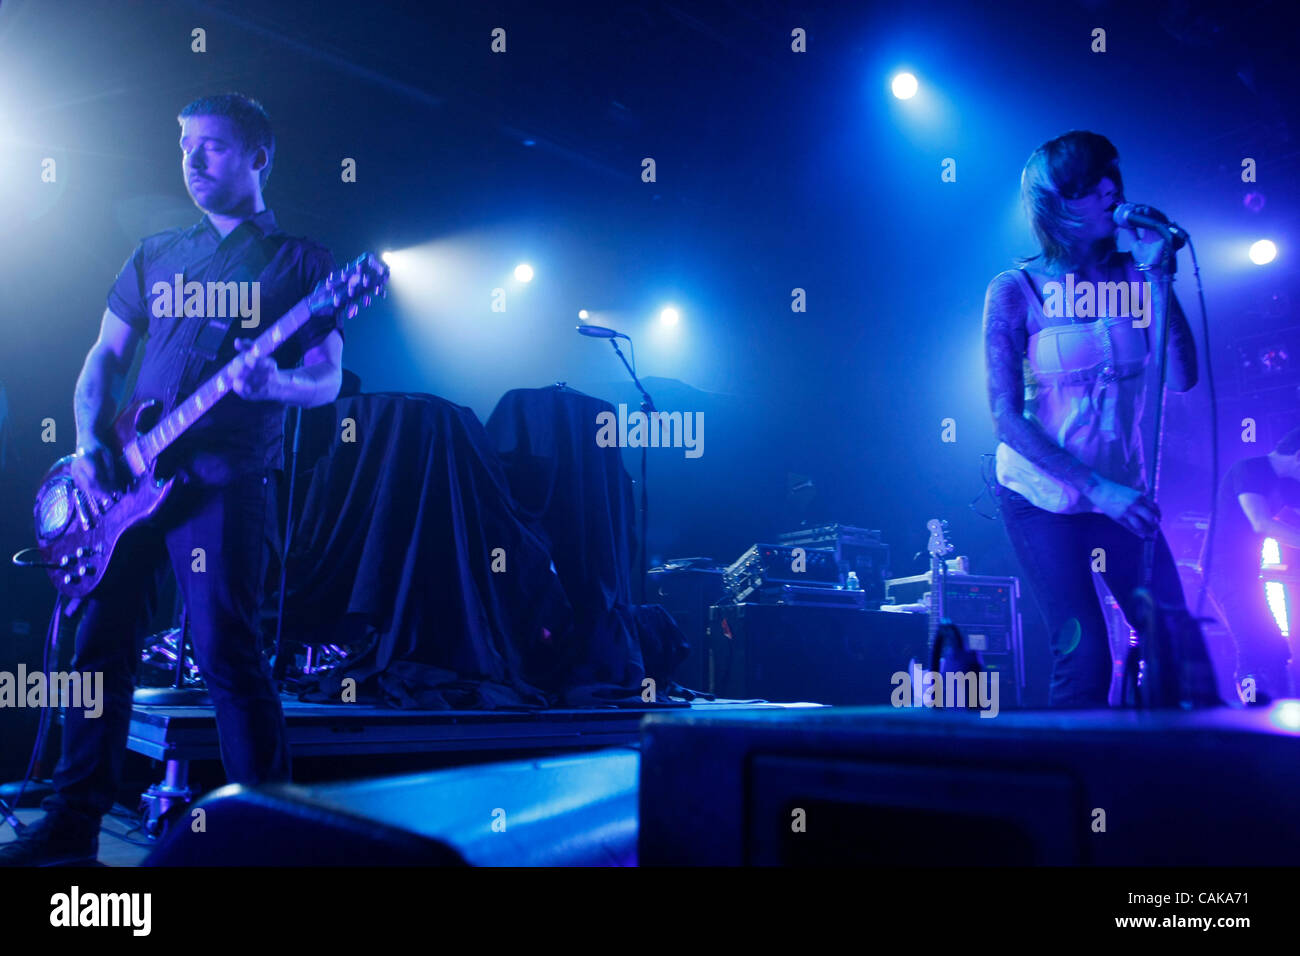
352 287
939 544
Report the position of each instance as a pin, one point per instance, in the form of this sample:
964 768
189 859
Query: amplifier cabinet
985 608
764 565
687 594
826 655
856 549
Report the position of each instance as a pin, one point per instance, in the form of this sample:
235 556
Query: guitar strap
234 262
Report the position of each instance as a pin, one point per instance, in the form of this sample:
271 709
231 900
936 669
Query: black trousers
1262 651
215 539
1056 554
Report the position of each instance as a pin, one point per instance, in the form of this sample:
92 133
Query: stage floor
190 732
185 733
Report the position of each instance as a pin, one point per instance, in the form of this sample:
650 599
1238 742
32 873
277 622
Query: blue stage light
1263 252
904 86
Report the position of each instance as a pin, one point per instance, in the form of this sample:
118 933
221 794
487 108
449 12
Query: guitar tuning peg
366 301
352 311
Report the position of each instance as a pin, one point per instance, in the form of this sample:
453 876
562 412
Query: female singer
1067 389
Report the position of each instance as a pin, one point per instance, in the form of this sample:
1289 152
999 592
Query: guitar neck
936 594
144 450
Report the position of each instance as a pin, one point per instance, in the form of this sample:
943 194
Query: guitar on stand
942 632
76 537
938 547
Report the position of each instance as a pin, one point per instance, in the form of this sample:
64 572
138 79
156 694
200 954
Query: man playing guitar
1259 498
213 526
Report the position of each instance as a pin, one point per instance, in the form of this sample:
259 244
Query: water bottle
853 583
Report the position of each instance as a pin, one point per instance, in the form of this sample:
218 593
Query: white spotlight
1263 252
669 316
584 314
524 272
904 86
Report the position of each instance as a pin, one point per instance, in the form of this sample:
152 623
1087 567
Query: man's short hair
249 117
1290 443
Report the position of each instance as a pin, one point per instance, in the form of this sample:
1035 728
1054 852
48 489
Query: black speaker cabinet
827 655
687 594
925 787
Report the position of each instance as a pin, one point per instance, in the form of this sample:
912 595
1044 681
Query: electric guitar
75 538
938 546
945 636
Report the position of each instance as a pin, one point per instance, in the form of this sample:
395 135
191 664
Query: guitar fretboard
175 423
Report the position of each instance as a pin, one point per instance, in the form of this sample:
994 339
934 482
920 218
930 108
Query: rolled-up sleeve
317 263
127 298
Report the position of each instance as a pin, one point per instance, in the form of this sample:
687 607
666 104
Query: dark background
776 170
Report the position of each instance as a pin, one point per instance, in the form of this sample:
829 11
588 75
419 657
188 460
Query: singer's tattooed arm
1182 345
1182 349
1005 341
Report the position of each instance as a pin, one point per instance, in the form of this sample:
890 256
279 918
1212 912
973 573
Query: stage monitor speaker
563 811
928 787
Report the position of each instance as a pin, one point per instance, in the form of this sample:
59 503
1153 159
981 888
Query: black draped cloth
410 549
580 496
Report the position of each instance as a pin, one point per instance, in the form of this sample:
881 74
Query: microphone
1131 215
600 332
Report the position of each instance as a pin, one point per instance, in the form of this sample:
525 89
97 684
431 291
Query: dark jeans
222 598
1056 553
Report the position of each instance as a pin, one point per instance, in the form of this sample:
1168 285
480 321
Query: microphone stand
281 664
1172 677
1151 647
647 407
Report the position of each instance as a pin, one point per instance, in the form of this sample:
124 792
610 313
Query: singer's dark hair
1067 167
1290 443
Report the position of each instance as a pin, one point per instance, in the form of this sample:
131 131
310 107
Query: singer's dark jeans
222 601
1056 558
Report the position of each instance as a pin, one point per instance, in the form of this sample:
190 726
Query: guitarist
1258 498
213 526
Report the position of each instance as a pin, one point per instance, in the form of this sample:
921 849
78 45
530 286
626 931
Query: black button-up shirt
237 435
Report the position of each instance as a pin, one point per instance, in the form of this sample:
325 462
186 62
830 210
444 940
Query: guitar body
76 539
72 535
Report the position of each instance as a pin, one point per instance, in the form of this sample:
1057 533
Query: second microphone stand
647 407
